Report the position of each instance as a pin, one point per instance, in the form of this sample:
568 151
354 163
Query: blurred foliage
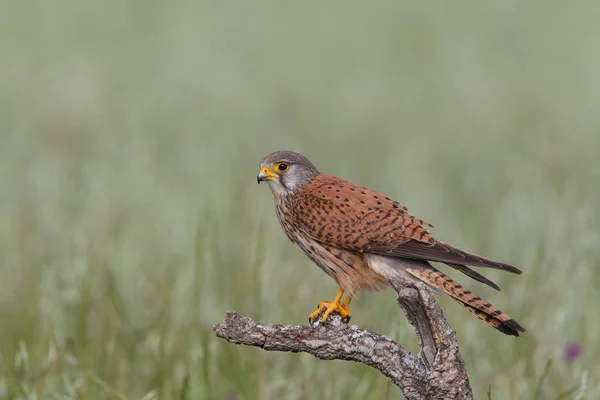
130 218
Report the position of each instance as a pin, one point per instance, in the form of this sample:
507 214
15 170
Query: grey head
286 172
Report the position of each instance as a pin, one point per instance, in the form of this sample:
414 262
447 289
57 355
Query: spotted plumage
362 238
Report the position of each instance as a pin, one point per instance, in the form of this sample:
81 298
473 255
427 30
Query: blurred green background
130 218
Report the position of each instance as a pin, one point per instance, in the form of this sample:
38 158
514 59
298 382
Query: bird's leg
329 307
335 305
346 303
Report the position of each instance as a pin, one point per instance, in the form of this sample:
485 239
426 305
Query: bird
363 239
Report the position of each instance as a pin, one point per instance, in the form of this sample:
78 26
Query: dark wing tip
509 268
492 285
442 252
479 261
474 275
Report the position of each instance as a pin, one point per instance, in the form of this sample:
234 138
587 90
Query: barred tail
475 304
502 322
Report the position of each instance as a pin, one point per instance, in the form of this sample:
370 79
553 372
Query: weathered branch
438 372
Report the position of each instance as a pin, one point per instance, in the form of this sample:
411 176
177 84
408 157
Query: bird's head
286 172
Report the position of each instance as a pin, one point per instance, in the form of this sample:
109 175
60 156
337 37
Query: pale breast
286 215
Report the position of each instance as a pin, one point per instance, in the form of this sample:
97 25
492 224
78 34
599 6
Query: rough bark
437 372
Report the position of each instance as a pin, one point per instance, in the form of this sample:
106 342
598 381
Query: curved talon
346 318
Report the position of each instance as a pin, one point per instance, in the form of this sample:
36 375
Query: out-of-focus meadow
130 218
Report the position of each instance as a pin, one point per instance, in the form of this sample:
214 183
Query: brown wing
442 252
339 213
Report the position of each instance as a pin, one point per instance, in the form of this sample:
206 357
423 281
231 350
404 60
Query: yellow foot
326 308
320 308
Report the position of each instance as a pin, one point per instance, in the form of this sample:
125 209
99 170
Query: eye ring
282 167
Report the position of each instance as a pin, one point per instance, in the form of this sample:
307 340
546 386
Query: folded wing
339 213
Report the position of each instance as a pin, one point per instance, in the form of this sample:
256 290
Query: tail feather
507 326
475 304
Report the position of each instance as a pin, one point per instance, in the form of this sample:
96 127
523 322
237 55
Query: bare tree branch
438 372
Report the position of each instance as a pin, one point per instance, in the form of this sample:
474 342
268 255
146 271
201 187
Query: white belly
390 267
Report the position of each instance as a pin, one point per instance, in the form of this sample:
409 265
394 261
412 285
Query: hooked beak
265 174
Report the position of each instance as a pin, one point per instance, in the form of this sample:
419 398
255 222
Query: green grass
130 218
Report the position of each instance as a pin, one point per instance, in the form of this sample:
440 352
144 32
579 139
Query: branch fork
437 372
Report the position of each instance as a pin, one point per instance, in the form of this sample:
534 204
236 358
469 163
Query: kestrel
362 238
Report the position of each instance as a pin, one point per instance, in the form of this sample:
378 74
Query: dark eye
282 167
